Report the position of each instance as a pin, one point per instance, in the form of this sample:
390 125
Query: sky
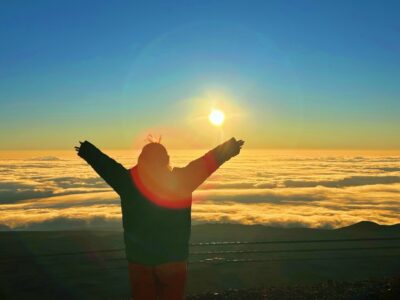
287 74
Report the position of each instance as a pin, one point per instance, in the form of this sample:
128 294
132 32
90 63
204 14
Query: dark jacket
153 233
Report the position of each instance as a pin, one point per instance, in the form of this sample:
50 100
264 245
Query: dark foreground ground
297 263
386 288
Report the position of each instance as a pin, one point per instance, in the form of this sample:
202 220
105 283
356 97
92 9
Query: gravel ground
388 288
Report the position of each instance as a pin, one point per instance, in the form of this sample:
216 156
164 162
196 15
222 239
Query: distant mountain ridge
369 226
359 226
362 225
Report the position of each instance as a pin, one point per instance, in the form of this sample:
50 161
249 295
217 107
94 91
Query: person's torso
156 225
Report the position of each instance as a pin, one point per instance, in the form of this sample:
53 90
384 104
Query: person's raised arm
112 172
197 171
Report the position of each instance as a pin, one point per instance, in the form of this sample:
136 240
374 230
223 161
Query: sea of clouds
277 188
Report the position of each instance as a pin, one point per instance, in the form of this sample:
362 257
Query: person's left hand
77 148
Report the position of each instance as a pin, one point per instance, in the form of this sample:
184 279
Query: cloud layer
280 189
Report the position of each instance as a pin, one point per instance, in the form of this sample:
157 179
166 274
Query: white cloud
279 190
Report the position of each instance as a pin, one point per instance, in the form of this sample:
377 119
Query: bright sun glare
216 117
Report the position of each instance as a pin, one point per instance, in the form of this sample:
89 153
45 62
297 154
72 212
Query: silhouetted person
156 212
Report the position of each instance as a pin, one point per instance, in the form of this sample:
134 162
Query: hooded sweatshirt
156 219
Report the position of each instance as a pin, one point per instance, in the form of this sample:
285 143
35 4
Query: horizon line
208 148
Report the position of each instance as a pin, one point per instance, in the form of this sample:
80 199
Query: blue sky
307 74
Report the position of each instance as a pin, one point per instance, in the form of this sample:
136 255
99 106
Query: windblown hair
154 154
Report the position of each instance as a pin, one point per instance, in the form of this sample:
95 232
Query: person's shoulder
179 173
177 170
126 176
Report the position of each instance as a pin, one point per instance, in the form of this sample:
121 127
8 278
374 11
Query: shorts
162 282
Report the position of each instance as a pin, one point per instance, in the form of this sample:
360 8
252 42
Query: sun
216 117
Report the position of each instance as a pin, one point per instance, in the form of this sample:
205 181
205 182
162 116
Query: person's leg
143 282
171 278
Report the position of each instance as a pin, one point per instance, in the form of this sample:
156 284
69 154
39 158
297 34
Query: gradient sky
288 74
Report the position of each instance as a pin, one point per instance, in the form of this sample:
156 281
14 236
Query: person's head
154 156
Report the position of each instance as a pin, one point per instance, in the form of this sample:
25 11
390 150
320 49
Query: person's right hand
232 147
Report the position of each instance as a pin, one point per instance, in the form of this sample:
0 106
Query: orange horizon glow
20 154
